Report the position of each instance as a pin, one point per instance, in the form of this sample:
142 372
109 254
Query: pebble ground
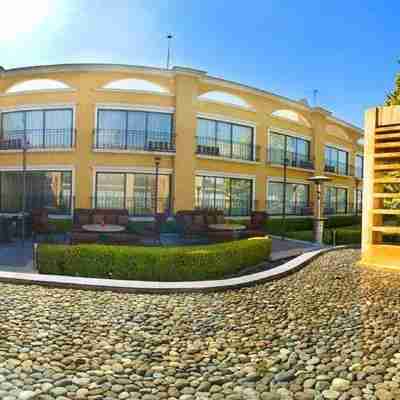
329 331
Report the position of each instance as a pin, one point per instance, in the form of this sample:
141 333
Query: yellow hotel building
147 139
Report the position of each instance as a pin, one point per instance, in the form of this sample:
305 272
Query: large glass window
335 200
232 195
224 139
336 161
136 192
295 150
139 130
297 198
359 166
41 128
44 189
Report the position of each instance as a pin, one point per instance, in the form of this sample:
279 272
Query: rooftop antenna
169 38
315 97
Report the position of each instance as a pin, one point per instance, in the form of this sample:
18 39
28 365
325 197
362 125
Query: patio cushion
111 219
187 219
210 219
220 219
83 220
98 219
123 220
198 220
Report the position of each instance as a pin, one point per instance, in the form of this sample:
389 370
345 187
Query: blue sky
348 50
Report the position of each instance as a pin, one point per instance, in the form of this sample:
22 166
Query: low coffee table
106 228
234 228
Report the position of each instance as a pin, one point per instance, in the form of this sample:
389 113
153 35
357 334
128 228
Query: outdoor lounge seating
256 226
98 216
41 224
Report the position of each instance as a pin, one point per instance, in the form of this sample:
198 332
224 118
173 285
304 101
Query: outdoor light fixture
318 214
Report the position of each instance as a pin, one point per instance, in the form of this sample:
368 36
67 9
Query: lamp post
157 161
318 215
285 165
24 151
357 181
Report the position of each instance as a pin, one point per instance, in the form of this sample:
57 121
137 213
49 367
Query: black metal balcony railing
116 139
37 139
298 160
230 207
136 206
275 207
225 148
340 208
339 168
12 204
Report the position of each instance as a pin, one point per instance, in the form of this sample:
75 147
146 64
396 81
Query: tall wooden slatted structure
381 214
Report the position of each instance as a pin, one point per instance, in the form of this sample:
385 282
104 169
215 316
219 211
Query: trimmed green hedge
62 225
339 221
153 263
274 225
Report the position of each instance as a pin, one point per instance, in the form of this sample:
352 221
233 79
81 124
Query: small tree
393 99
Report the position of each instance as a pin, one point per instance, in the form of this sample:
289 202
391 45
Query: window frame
285 148
337 164
126 131
125 175
337 189
230 179
231 143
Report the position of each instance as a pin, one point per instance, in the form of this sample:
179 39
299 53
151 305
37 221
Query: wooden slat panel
386 195
387 180
386 229
385 211
387 145
387 167
388 136
388 116
386 129
387 155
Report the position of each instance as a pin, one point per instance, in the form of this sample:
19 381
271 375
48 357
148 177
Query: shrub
153 263
342 220
307 236
62 225
274 225
345 235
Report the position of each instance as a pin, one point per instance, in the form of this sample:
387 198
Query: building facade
150 139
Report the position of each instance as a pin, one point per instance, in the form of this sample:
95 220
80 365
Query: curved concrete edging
72 282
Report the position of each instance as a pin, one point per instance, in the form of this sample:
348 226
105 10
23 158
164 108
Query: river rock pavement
328 331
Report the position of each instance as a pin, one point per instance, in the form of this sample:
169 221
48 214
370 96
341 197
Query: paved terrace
328 331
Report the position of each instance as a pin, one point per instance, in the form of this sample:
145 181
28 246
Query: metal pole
24 149
285 161
157 162
169 37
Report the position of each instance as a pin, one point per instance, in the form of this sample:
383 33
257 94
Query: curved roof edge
68 67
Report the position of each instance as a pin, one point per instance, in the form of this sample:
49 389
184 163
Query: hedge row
153 263
343 236
274 225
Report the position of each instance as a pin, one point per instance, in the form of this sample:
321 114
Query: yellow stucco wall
184 86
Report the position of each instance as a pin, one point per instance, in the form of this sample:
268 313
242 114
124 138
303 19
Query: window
224 139
295 150
336 161
140 130
37 84
232 195
44 189
358 200
133 191
359 166
41 128
297 198
335 200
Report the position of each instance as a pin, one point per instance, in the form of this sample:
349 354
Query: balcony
62 138
137 206
212 147
339 169
133 140
230 207
295 160
275 207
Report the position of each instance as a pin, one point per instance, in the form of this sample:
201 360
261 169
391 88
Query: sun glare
21 16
